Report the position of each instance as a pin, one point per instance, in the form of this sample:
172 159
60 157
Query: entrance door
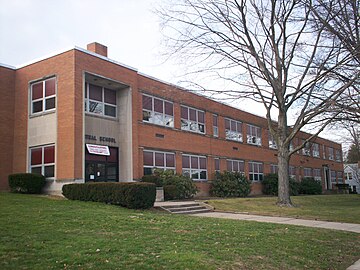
99 168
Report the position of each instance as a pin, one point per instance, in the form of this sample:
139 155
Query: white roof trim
7 66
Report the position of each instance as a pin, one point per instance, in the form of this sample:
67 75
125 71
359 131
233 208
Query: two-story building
79 116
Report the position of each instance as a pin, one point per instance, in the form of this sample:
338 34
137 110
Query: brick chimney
97 48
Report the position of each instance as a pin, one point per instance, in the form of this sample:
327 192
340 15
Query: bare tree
340 20
265 50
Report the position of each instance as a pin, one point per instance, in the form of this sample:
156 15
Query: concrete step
185 208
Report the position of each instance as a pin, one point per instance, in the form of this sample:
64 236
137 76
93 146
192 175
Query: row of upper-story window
195 166
161 112
103 102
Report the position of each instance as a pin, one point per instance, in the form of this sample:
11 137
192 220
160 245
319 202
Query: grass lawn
38 232
341 208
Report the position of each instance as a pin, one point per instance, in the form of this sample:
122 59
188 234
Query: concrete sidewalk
349 227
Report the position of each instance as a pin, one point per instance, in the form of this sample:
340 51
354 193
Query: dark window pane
49 171
184 113
159 159
227 123
248 129
194 163
192 113
229 165
203 175
260 168
49 154
201 116
233 125
113 155
241 166
50 87
36 170
169 108
202 163
50 103
158 105
148 158
36 156
147 103
86 87
147 171
110 110
235 166
95 92
217 164
37 90
170 160
215 120
185 162
110 96
37 106
238 126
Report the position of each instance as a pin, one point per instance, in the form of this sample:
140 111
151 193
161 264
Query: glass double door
102 168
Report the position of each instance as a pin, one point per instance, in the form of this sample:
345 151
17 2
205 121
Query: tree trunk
283 163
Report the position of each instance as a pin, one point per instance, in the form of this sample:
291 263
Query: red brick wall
7 93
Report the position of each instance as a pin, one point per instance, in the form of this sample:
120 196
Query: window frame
274 168
87 101
216 127
236 133
250 136
253 173
44 98
340 179
308 172
338 156
317 174
291 175
238 161
43 164
153 113
191 171
153 167
331 153
315 150
306 150
190 123
272 142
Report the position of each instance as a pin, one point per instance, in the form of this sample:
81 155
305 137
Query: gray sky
31 29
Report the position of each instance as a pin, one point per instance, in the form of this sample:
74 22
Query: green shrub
170 192
270 185
185 186
153 178
230 184
310 186
134 195
30 183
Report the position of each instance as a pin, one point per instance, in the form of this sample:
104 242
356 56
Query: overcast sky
31 29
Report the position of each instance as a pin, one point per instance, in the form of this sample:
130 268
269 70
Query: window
324 151
194 167
274 168
43 96
158 111
308 172
338 155
256 172
215 126
272 142
316 150
159 160
42 160
100 100
339 177
349 176
331 153
192 120
217 165
306 151
333 176
235 165
253 134
317 174
292 172
233 130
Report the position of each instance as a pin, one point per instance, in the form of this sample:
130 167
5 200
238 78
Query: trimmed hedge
29 183
153 178
134 195
230 184
270 185
310 186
